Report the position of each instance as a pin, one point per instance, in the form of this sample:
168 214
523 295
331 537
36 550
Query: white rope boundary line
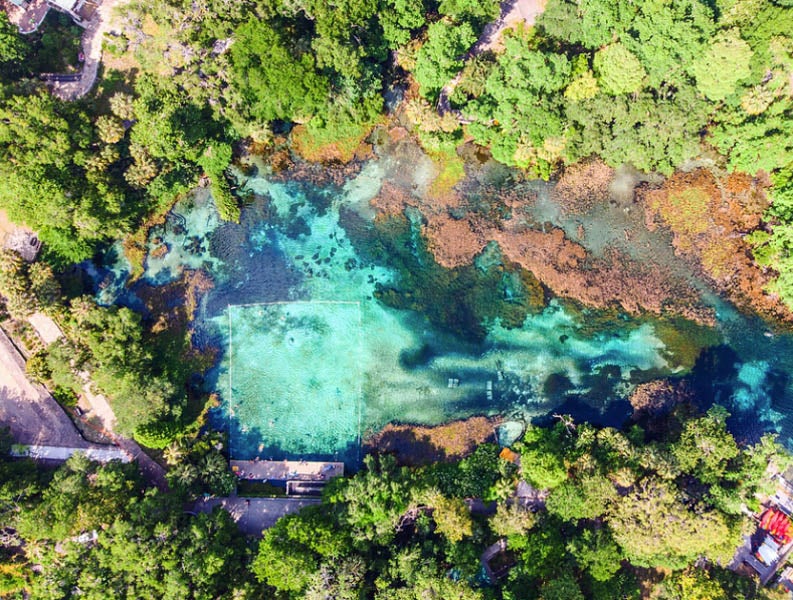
357 303
282 302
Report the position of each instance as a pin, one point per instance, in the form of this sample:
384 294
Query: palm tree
185 475
175 452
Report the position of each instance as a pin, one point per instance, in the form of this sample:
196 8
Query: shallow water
311 359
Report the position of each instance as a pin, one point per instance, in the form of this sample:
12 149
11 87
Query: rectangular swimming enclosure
294 379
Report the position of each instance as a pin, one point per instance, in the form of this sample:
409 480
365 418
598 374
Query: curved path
70 89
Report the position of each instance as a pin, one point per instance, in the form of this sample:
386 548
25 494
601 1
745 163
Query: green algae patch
452 172
334 141
686 211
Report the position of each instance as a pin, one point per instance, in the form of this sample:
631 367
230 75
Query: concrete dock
286 470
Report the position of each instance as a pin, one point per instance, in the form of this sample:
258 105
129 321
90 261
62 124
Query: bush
158 434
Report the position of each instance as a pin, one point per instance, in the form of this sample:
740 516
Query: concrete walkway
47 329
68 88
253 515
285 470
59 453
32 414
27 19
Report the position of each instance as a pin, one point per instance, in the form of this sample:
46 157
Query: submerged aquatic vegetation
464 300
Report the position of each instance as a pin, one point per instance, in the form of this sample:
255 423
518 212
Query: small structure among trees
24 242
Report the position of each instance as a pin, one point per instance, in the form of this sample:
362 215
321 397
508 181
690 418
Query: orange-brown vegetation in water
174 316
658 396
583 185
316 173
392 200
419 445
561 265
656 403
709 217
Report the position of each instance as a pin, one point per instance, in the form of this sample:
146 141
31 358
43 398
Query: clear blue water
312 358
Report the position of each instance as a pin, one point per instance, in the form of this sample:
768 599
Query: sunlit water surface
311 361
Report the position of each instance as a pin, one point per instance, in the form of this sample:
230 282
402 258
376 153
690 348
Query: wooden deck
286 470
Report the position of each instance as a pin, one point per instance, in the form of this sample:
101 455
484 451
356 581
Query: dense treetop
616 500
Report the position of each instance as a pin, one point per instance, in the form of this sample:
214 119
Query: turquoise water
331 325
275 390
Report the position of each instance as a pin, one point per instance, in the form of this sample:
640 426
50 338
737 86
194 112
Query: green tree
511 520
278 82
375 500
722 66
705 447
291 552
542 458
591 23
44 145
441 56
342 580
399 18
596 552
582 88
653 134
586 497
667 36
564 587
655 529
618 70
15 284
122 106
451 515
475 11
12 46
44 285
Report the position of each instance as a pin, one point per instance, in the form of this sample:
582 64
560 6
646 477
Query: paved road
253 515
33 416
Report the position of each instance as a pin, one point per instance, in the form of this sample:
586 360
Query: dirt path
513 13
